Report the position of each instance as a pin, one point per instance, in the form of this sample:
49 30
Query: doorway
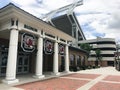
62 64
23 63
47 62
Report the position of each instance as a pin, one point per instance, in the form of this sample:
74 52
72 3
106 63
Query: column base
67 71
10 81
56 73
38 76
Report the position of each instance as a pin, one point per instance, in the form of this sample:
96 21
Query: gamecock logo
61 49
28 42
48 46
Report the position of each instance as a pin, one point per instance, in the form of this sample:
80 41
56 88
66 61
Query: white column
12 58
55 62
66 59
39 59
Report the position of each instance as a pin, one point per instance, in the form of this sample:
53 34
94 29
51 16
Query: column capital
57 39
41 34
68 43
14 28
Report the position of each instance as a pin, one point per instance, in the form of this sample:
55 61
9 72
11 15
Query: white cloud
55 4
114 22
23 2
39 7
103 16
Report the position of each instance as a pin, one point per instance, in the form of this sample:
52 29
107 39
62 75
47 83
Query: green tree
86 47
98 56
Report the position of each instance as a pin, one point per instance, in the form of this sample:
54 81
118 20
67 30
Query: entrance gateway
28 61
15 61
24 60
31 62
23 56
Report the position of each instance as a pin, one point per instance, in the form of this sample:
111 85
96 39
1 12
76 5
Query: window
72 60
83 60
78 60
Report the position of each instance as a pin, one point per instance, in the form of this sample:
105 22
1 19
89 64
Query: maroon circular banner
48 46
28 42
61 49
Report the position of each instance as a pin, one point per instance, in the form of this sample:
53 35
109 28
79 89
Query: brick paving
102 79
54 84
114 78
86 76
66 83
106 86
111 82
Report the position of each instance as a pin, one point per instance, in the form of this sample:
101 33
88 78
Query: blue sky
3 3
96 17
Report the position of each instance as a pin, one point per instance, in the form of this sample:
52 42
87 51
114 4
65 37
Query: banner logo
48 46
61 49
28 42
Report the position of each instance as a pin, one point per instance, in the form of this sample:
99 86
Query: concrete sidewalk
8 87
102 70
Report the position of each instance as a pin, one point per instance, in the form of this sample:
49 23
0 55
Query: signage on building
48 46
30 28
61 49
28 42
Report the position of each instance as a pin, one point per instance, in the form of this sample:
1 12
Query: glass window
25 69
78 61
4 61
3 70
20 61
83 60
19 69
72 60
26 61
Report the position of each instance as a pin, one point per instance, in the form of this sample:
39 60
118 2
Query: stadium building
29 45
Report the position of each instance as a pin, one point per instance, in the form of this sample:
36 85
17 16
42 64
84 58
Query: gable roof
13 10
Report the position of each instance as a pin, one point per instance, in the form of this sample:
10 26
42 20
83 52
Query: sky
97 18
